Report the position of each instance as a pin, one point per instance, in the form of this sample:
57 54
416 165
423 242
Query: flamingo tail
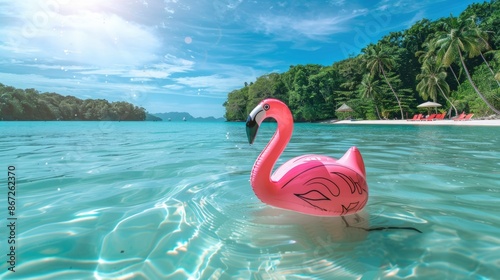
353 159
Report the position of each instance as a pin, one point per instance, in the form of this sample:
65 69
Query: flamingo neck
260 177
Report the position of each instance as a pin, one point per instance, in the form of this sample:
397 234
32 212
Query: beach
472 122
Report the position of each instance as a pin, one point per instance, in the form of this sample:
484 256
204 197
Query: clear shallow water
109 200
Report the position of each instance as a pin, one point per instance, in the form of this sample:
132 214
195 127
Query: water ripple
98 202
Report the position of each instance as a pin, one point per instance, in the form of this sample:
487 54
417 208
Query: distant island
31 105
183 116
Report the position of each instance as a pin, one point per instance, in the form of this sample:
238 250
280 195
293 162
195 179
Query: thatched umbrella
344 108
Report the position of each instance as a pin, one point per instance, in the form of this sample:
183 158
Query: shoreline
472 122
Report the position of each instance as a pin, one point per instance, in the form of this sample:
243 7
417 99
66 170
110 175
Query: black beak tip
252 128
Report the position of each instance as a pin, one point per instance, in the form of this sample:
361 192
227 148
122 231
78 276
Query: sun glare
65 7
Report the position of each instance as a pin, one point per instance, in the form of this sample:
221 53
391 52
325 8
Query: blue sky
186 55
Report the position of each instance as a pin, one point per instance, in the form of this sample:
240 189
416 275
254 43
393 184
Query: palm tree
482 38
455 39
370 88
430 52
432 81
378 59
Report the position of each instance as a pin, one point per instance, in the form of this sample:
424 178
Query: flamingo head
255 118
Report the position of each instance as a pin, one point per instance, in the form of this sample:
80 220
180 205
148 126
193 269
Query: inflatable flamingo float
311 184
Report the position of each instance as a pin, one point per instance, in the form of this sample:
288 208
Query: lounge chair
432 117
429 118
459 117
466 118
416 118
441 116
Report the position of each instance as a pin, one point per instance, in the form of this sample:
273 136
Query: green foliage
30 105
454 61
458 37
378 60
489 88
432 81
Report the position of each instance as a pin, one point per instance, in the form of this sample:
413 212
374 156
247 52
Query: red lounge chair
466 118
432 117
417 118
438 117
459 117
441 116
429 118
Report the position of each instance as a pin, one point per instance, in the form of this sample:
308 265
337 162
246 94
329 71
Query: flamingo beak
254 119
252 127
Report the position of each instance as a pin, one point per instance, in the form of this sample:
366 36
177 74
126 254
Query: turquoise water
149 200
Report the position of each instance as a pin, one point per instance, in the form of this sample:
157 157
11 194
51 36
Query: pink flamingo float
311 184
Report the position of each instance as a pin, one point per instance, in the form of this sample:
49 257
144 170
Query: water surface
157 200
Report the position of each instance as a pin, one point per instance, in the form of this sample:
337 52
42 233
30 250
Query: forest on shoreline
454 61
31 105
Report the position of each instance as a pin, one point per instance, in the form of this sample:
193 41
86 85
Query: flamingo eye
266 107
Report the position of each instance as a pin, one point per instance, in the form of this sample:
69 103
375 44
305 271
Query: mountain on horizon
180 116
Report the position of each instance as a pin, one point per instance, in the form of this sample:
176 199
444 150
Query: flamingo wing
319 189
327 187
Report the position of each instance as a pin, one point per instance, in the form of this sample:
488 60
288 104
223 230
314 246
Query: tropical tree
433 81
371 89
430 52
456 38
311 91
482 38
377 59
265 86
236 104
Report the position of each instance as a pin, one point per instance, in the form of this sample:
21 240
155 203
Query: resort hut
344 109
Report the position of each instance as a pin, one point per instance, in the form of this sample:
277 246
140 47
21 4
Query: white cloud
58 32
383 7
59 67
161 71
228 78
173 87
318 28
360 11
87 87
169 66
234 4
213 83
337 2
104 71
403 6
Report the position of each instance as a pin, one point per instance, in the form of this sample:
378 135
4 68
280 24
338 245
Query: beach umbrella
428 105
344 108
